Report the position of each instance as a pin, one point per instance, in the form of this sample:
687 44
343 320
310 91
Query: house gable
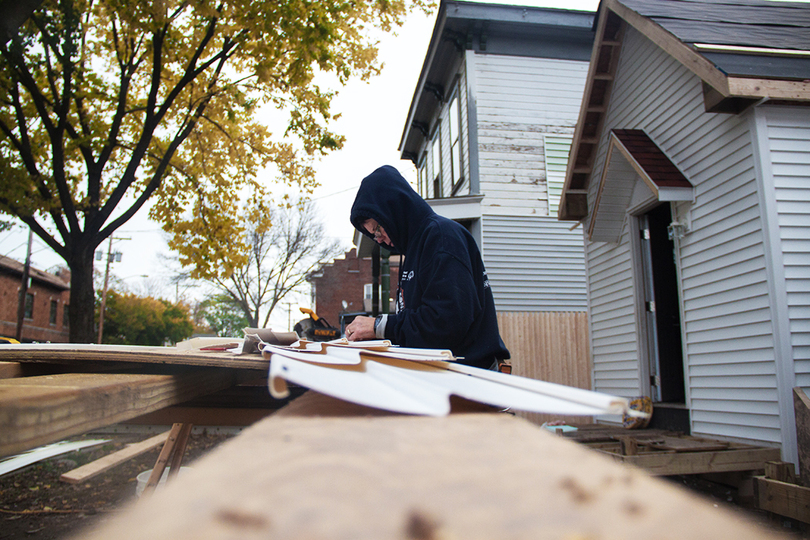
709 39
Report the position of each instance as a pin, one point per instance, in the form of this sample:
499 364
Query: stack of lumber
780 490
78 388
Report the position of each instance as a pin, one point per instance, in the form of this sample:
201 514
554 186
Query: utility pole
24 288
289 315
110 257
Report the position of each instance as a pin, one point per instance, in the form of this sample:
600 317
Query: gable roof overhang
491 28
632 155
15 268
741 60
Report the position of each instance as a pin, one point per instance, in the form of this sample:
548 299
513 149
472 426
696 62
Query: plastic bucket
143 479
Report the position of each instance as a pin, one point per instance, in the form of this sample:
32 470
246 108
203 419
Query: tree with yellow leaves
108 104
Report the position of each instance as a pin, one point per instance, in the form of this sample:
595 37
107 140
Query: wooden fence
550 346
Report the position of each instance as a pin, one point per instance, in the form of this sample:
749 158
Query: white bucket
143 479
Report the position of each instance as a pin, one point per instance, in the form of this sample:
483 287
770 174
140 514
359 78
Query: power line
336 193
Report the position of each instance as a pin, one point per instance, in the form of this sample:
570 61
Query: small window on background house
65 316
437 164
54 307
455 142
29 306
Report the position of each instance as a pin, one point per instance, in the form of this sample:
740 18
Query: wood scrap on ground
94 468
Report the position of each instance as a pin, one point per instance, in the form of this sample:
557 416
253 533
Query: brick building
46 306
347 279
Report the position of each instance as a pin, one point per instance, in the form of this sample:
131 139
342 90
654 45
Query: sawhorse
173 449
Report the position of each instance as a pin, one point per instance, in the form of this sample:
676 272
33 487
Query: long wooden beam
78 354
471 476
40 410
673 463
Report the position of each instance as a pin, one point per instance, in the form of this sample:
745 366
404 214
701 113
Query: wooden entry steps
667 453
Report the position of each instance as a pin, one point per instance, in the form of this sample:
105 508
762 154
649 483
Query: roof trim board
598 85
631 155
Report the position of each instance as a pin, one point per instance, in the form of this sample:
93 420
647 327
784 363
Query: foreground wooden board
464 476
781 498
79 353
40 410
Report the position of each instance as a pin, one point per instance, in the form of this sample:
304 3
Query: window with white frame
454 121
437 163
423 175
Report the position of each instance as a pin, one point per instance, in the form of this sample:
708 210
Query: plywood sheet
471 476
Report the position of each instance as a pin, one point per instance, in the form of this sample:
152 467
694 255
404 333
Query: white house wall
518 101
728 336
611 310
788 147
534 264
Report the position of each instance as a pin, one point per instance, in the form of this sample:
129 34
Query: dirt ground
36 505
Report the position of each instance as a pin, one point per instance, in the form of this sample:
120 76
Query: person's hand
360 329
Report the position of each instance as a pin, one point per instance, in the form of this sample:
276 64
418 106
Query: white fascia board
457 208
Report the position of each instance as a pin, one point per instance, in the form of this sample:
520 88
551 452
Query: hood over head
389 199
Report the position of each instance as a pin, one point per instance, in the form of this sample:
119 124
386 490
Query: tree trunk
82 297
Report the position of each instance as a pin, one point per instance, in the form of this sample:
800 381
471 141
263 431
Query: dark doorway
663 317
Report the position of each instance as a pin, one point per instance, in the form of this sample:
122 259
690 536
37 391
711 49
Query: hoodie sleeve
447 305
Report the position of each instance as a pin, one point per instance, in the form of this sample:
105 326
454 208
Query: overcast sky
373 117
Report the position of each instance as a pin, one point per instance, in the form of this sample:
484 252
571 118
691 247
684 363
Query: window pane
437 155
54 307
456 162
454 120
29 306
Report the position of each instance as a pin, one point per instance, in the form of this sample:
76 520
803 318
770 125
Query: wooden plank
177 436
801 405
9 370
39 410
781 498
784 471
667 464
472 476
179 450
80 353
94 468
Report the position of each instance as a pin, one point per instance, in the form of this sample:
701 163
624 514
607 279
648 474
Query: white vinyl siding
789 140
557 149
534 264
518 102
611 311
729 347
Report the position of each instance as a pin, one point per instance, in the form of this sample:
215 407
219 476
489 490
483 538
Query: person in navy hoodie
444 299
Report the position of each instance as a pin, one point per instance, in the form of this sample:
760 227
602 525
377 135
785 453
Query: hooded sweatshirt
444 298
